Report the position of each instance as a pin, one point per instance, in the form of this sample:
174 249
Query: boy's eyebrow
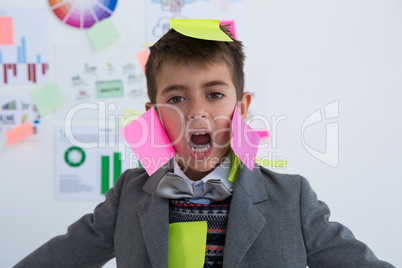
215 83
172 87
181 87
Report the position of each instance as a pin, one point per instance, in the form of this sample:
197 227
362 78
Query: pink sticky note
142 57
264 133
6 31
149 141
244 140
19 133
232 27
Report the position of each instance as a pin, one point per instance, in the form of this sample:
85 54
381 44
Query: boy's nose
196 112
197 116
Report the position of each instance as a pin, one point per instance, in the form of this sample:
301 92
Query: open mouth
200 142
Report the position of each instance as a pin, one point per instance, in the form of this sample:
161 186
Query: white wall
302 55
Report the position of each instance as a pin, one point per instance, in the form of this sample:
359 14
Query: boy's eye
215 95
176 99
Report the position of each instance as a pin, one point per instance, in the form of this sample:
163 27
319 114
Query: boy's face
195 106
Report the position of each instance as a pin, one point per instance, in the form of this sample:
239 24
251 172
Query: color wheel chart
82 13
24 60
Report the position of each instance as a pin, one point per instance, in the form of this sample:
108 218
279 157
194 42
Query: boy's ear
148 106
244 104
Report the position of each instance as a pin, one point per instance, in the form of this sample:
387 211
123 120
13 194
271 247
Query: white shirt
221 172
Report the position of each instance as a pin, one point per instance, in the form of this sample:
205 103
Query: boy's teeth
199 133
203 150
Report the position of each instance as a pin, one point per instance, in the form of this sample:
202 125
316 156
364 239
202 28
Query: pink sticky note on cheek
244 141
148 139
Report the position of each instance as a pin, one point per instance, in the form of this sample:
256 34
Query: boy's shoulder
135 177
278 181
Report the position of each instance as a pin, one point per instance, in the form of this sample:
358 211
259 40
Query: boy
257 218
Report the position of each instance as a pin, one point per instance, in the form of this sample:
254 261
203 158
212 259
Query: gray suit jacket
275 220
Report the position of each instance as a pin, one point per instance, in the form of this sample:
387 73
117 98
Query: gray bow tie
173 186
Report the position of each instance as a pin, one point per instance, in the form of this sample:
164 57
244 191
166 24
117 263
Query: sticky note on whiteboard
19 133
47 98
142 57
103 34
6 31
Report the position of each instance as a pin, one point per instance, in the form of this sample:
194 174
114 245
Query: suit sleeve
87 243
330 244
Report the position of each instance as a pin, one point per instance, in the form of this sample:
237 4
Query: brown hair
181 49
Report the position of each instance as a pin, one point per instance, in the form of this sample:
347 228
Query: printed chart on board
88 162
109 76
234 12
23 46
15 110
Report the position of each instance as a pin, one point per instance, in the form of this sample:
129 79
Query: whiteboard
325 74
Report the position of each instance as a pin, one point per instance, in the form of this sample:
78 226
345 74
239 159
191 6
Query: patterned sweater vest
216 216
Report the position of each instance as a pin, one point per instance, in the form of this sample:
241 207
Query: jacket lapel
154 218
245 222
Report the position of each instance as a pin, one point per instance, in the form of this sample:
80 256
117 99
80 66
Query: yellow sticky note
6 31
235 167
271 163
148 44
19 133
142 57
187 242
129 116
47 98
103 34
201 29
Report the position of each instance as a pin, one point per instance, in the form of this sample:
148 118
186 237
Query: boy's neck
195 175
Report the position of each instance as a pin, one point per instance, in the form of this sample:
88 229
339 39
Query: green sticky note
47 98
234 168
148 44
187 242
271 163
110 89
129 116
201 29
103 34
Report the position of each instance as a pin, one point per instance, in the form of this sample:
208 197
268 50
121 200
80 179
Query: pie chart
82 13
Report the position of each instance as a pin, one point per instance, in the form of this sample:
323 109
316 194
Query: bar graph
105 174
116 166
105 171
25 61
9 106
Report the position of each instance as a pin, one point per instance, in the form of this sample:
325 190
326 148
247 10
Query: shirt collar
221 172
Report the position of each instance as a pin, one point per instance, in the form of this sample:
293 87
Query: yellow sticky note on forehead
201 29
